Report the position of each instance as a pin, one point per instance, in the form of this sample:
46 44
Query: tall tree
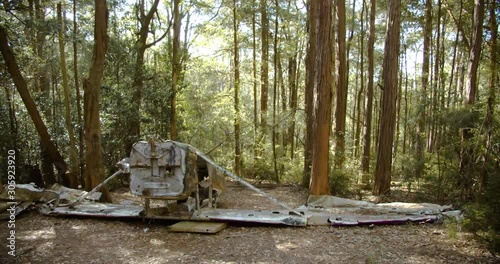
490 104
275 92
141 46
312 21
94 172
81 152
362 77
42 84
341 96
22 88
264 77
367 134
466 160
69 124
421 109
176 67
254 72
322 86
237 150
388 110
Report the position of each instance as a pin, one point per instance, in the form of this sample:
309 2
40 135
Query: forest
343 97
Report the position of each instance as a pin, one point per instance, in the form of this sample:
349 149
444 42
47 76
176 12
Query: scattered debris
178 182
198 227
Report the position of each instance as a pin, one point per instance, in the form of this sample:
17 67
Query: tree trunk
322 85
367 134
275 94
490 105
341 96
237 150
309 90
22 88
390 77
175 71
81 145
73 181
362 89
292 75
264 71
254 72
138 81
436 84
452 98
421 110
42 86
94 172
466 172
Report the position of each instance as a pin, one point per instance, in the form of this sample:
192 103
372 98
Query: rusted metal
278 217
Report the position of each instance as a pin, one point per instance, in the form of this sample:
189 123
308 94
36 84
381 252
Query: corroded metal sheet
280 217
354 220
98 210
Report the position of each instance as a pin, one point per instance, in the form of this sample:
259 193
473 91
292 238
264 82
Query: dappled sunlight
44 233
78 227
156 242
286 246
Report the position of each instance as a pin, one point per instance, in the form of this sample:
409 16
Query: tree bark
466 173
421 110
361 92
309 90
237 150
264 77
73 181
22 88
341 96
390 76
292 75
175 71
81 145
275 95
322 85
490 104
367 133
254 72
42 86
94 172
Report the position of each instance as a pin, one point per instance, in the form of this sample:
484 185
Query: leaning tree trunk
390 77
22 88
94 172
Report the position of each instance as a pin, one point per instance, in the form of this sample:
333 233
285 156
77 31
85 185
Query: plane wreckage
178 182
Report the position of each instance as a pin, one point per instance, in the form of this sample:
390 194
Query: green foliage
452 228
340 183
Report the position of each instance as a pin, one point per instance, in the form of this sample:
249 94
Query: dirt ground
44 239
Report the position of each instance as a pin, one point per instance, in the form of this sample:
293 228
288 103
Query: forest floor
49 239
